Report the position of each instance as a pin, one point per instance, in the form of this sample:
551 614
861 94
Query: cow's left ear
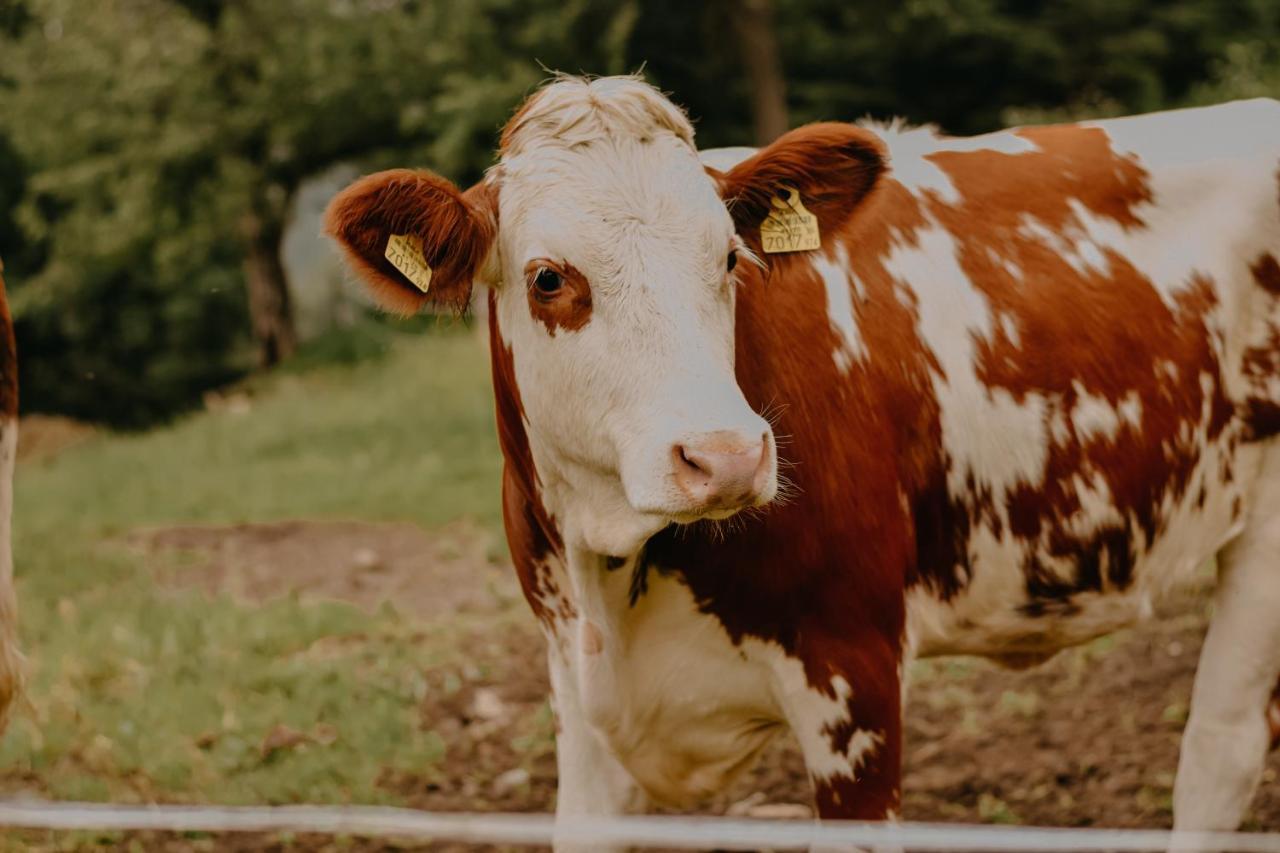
831 165
415 238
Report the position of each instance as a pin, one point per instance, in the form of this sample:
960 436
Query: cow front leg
1231 725
849 726
591 781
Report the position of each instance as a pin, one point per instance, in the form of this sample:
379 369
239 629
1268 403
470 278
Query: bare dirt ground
1087 739
424 577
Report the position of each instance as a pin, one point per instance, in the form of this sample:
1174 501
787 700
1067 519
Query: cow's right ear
414 238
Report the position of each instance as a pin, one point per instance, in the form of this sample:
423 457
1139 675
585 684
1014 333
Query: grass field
140 690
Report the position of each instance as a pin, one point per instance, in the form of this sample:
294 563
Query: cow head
614 258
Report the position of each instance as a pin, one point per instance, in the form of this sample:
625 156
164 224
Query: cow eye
547 281
733 260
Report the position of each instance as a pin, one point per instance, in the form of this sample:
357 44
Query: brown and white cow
11 664
1027 384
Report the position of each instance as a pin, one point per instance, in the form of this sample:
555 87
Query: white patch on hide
836 280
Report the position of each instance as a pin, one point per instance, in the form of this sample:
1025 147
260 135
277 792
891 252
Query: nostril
690 461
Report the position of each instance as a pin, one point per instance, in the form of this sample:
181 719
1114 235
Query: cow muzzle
725 470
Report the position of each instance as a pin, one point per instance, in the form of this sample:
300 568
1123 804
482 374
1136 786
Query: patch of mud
369 565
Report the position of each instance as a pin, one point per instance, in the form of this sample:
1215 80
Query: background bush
150 150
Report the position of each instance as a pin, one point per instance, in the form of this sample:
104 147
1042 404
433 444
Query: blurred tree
150 149
14 19
12 186
166 138
758 47
957 63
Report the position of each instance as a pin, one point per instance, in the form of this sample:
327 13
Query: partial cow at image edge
11 661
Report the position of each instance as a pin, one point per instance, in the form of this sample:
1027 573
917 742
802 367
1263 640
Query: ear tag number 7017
789 227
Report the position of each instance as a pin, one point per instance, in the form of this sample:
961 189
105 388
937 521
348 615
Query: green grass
140 691
410 436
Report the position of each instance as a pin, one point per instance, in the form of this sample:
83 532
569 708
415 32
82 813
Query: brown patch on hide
569 307
1261 364
1273 716
1266 272
532 535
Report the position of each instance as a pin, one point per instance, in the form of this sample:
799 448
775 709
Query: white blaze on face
622 408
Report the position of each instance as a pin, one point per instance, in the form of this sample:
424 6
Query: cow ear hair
439 237
832 166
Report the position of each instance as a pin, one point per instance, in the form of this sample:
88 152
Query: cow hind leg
1234 712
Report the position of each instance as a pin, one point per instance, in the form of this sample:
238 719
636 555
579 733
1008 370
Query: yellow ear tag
789 227
405 253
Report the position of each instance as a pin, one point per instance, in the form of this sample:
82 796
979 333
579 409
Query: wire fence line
681 833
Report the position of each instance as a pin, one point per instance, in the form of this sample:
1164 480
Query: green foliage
960 64
137 306
153 131
142 137
376 439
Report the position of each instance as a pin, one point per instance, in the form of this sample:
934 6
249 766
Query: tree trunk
758 46
270 309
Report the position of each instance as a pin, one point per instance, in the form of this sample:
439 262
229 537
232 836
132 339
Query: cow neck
865 441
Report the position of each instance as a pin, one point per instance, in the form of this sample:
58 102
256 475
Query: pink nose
721 470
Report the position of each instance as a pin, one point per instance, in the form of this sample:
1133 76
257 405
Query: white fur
681 707
1224 745
984 431
839 284
911 145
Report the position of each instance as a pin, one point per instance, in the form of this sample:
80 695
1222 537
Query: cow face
614 262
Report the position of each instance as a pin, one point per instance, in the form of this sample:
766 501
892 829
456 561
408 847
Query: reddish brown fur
457 231
1273 716
568 309
8 356
531 534
1266 272
1261 409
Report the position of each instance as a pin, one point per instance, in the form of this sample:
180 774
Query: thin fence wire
677 833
